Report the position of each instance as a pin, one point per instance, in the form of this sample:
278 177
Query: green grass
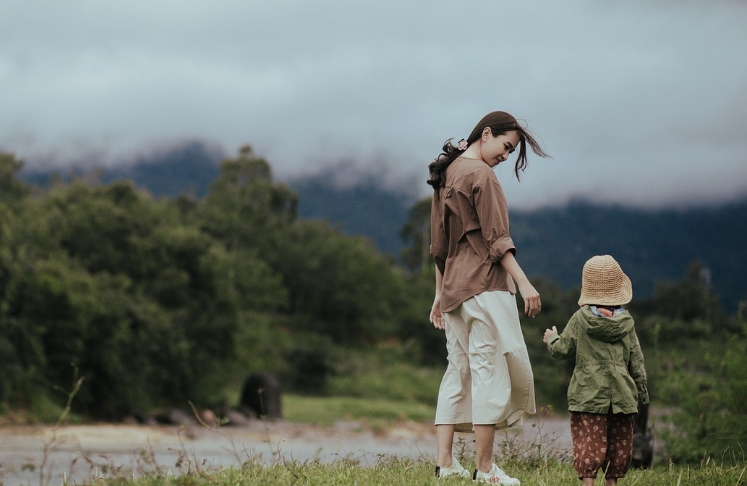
384 375
394 471
40 409
326 411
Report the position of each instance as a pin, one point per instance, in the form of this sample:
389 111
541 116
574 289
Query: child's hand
549 333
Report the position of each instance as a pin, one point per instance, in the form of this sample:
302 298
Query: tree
12 191
338 284
691 298
244 207
417 232
142 305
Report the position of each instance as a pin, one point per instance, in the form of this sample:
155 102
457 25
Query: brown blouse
469 233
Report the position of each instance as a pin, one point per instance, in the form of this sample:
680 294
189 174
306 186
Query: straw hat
604 283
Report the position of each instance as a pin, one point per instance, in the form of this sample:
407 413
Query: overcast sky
641 102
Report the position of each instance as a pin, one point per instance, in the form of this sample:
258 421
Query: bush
710 419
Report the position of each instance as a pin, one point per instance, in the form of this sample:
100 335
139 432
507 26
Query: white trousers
489 378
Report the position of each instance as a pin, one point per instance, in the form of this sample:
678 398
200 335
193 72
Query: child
609 379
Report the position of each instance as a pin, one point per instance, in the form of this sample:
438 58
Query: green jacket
609 363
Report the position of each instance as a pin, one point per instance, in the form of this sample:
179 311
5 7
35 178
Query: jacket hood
607 329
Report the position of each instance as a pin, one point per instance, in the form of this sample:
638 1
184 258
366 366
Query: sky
641 103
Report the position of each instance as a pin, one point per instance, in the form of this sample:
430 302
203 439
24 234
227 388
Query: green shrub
710 419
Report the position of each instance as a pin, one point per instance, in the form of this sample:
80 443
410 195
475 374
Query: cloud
640 103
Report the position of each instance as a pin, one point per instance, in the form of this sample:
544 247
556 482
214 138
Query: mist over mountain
651 246
187 168
553 242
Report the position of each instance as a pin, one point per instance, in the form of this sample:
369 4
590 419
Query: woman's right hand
436 317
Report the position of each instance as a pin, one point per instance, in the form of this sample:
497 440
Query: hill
188 168
652 246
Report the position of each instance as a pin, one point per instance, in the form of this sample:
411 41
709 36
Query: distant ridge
652 246
366 210
187 168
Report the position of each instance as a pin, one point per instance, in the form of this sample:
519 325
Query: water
37 455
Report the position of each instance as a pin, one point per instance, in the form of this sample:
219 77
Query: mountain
187 168
651 246
371 211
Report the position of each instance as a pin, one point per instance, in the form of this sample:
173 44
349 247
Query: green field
394 471
328 410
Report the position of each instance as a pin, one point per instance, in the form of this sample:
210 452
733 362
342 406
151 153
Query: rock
145 419
261 395
174 416
236 418
208 418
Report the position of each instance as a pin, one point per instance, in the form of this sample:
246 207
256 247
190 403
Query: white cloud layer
640 103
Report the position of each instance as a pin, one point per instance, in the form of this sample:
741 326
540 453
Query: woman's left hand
532 302
436 317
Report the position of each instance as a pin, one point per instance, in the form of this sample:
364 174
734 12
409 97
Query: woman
488 382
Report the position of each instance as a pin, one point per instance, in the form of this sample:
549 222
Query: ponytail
438 167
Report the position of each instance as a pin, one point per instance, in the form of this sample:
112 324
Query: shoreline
86 452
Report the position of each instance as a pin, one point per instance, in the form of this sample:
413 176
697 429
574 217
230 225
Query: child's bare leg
611 482
588 481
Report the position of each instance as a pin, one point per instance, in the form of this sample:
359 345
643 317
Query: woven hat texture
604 283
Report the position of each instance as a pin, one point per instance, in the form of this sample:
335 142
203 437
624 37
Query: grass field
394 471
534 464
327 410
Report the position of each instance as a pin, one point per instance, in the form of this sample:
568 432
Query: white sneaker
495 476
455 470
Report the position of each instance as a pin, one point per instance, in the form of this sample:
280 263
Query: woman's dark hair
499 123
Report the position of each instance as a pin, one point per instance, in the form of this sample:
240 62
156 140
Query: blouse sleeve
492 211
439 246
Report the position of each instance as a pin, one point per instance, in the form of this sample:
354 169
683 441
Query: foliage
707 383
385 373
244 207
416 234
654 246
160 302
130 292
157 302
340 284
